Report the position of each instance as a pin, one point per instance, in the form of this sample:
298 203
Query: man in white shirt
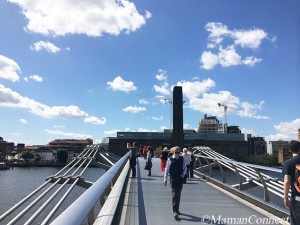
176 168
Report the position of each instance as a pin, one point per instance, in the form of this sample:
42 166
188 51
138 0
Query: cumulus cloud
23 121
9 98
9 69
208 102
95 120
91 17
228 56
71 135
250 110
285 131
45 45
36 78
162 88
118 84
134 109
196 88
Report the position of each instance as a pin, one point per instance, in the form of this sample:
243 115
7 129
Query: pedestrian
187 160
132 158
192 163
149 160
163 159
291 180
145 151
176 168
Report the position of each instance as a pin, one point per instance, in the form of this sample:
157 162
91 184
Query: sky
88 69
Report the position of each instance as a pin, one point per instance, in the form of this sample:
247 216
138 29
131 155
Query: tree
264 160
62 155
37 157
27 156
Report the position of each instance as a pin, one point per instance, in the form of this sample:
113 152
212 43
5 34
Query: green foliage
37 158
264 160
27 155
62 155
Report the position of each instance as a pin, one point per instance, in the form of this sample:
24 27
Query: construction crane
225 116
165 100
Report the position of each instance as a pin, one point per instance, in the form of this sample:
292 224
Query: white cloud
248 131
161 75
208 103
217 31
111 133
72 135
45 45
163 88
164 128
186 126
196 88
36 78
95 120
118 84
251 61
286 131
228 56
9 69
23 121
209 60
249 39
250 110
9 98
144 102
134 109
91 17
157 118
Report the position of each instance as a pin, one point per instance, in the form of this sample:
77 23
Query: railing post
238 175
222 171
266 191
209 166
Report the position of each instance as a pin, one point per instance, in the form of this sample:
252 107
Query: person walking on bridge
291 174
132 158
176 168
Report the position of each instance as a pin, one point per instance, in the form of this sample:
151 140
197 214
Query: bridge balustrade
251 173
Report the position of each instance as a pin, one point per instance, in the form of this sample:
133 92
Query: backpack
297 177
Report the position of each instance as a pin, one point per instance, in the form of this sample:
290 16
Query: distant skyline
77 70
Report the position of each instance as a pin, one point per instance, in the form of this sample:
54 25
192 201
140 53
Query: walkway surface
148 202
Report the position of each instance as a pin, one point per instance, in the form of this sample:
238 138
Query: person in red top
163 159
145 151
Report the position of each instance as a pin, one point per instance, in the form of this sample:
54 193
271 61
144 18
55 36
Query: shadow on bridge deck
147 201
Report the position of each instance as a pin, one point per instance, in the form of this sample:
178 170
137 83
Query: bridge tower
177 134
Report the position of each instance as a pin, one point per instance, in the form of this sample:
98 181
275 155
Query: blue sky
87 69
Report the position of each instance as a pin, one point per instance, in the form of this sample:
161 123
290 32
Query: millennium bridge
223 191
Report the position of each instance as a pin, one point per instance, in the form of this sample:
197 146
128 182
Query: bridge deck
147 201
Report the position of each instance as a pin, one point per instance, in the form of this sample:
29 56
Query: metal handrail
247 170
80 209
